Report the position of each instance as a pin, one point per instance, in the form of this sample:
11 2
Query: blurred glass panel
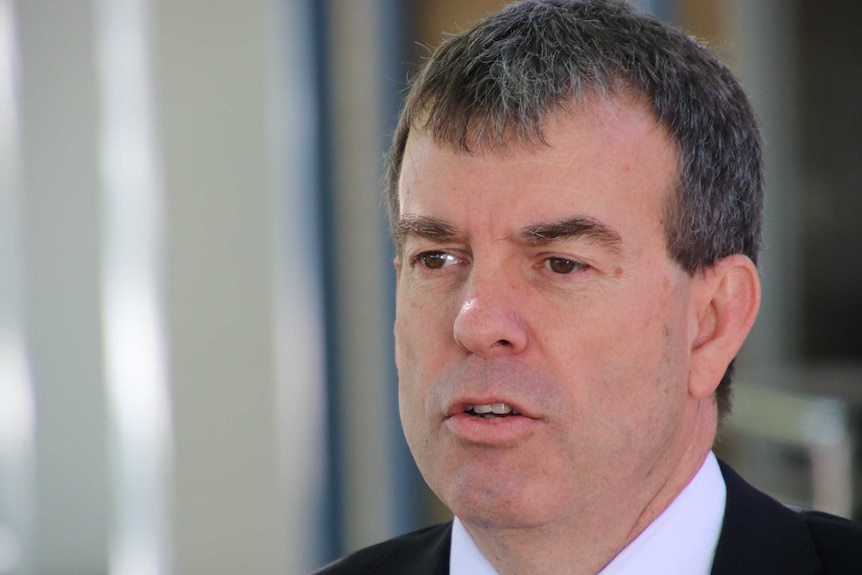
139 410
16 394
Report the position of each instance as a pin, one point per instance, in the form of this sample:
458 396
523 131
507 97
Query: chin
496 501
505 516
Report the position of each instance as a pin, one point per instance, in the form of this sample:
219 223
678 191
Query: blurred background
196 291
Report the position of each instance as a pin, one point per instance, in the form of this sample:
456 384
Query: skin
539 277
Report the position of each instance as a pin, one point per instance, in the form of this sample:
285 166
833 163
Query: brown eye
562 265
436 260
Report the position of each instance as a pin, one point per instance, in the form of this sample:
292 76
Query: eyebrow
422 227
572 228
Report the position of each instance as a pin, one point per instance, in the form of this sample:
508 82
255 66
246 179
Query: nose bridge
489 321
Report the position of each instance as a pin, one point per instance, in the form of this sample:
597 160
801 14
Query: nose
490 321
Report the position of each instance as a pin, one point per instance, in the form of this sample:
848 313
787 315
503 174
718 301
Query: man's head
496 85
575 199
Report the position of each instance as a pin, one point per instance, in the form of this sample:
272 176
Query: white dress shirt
680 541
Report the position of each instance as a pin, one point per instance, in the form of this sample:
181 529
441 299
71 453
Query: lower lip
490 431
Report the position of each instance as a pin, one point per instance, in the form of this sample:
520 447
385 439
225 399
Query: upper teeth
495 408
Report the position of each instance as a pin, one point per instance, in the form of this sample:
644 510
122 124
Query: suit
759 536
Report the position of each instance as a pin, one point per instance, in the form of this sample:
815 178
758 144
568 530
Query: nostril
503 343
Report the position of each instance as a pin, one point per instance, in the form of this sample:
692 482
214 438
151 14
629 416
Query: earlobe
726 301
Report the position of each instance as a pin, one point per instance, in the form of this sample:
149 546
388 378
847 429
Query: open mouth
491 410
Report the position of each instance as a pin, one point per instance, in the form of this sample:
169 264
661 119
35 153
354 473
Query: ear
726 298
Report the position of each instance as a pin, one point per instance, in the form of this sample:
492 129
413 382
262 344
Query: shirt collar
682 540
464 557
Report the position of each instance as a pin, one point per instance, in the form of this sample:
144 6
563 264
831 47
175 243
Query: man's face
535 282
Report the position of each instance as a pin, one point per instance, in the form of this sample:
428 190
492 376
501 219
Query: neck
585 544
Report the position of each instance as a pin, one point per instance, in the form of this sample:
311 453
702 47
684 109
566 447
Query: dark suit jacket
759 536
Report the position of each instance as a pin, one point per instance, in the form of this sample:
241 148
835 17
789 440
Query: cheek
632 352
423 330
652 321
404 363
415 389
409 393
405 310
649 354
407 339
414 359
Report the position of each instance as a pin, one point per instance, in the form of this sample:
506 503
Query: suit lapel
423 553
761 536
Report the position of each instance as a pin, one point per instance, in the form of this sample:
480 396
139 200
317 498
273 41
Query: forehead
605 159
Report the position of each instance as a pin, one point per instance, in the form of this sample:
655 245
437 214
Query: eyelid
418 259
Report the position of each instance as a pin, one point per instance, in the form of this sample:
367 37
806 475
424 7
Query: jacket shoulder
760 535
423 552
838 542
